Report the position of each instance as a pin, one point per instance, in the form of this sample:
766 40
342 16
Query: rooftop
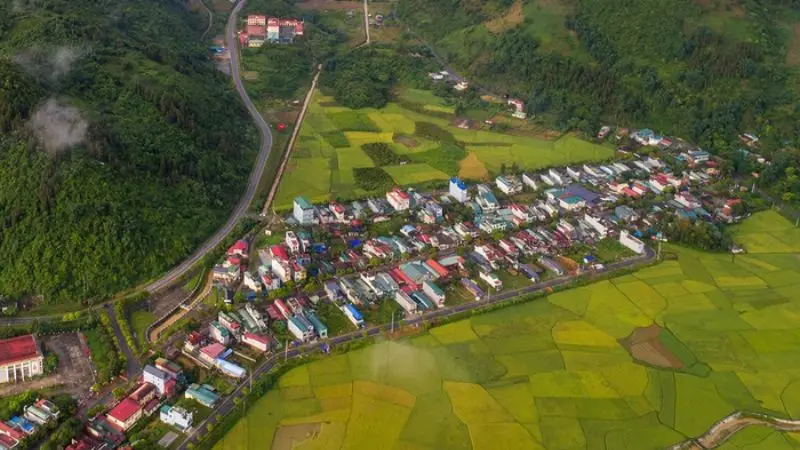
124 410
302 202
20 348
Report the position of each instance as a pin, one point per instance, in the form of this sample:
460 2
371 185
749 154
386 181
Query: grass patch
353 121
445 158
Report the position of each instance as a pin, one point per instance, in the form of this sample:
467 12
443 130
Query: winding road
255 176
227 405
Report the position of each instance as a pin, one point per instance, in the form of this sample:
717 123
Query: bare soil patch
512 18
643 344
405 140
74 373
329 4
287 436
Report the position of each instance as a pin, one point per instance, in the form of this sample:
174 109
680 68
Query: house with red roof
20 359
11 432
125 414
238 249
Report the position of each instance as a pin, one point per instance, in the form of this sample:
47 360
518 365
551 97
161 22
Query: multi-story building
156 377
434 293
176 416
405 302
509 185
303 211
459 190
399 199
300 329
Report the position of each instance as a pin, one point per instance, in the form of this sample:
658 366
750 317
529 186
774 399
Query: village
334 268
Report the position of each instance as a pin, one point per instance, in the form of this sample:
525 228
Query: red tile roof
7 442
17 349
124 410
142 392
213 350
9 431
151 406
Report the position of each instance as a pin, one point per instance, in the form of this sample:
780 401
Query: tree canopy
123 147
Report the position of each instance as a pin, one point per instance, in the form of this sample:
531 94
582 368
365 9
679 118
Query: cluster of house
260 29
575 204
40 413
411 284
159 382
246 326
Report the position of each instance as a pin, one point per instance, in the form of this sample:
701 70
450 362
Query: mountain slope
702 69
122 146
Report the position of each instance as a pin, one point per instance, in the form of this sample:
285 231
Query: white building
250 282
156 377
176 416
399 199
300 329
530 181
631 242
405 302
492 280
597 224
258 342
509 185
303 211
434 293
555 176
459 190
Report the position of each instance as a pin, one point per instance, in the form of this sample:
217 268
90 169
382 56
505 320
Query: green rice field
552 373
329 147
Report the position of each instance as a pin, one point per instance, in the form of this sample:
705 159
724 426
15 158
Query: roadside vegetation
640 360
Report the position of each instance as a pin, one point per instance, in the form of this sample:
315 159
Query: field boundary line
290 145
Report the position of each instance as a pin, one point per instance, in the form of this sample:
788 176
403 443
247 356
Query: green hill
702 69
121 146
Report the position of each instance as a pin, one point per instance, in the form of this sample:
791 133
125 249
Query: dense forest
705 71
122 147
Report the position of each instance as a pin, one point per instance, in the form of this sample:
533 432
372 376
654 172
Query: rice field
553 374
329 147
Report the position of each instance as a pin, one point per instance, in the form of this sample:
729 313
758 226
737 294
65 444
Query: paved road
227 405
255 176
133 362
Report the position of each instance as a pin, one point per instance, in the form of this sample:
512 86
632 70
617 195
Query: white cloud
58 126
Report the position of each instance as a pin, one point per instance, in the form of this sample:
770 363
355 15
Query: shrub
382 154
372 179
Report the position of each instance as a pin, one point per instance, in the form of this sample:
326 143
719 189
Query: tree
118 393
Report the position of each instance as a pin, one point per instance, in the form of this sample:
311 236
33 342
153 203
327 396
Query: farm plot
614 365
336 135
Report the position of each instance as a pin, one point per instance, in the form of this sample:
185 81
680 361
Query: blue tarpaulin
353 243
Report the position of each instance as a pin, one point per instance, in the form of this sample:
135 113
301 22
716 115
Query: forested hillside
121 146
705 70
